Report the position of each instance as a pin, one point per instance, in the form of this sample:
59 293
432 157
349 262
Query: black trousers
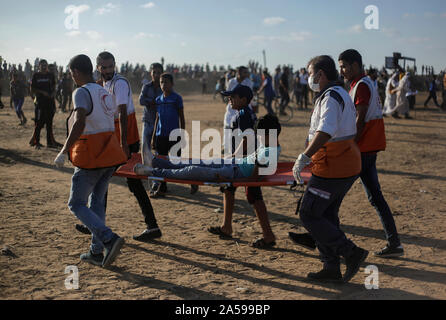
433 96
162 146
137 188
44 114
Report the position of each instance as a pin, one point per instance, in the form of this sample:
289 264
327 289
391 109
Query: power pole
264 59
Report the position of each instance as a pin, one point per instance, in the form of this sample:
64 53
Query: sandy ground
190 263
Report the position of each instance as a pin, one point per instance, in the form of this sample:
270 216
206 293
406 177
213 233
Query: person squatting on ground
18 92
126 130
336 165
43 87
94 150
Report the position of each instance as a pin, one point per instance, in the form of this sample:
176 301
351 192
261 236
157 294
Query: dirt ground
190 263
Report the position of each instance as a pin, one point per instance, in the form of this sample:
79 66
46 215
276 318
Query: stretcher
283 176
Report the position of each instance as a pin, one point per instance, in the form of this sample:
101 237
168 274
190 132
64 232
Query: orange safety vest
373 137
340 156
98 146
132 127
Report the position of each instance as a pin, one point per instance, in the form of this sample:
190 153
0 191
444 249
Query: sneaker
112 250
303 239
353 263
193 189
92 258
326 275
148 234
142 170
82 229
389 252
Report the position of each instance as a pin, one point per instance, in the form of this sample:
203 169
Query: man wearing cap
245 120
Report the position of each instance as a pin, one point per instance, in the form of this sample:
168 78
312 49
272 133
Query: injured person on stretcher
261 162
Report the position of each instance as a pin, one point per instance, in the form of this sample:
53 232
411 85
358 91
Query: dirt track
190 263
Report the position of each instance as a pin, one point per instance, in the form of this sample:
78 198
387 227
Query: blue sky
223 32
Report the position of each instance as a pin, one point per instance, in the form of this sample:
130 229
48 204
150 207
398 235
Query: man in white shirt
303 78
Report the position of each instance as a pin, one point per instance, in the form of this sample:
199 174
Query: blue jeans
146 136
199 172
88 203
18 103
268 104
319 214
369 179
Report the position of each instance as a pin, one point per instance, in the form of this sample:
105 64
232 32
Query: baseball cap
241 91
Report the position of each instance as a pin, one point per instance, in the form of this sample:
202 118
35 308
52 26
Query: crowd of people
345 136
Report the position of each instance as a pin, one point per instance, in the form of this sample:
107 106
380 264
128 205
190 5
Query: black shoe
82 229
326 275
407 117
157 194
95 259
148 234
389 252
303 239
396 116
112 250
193 188
354 262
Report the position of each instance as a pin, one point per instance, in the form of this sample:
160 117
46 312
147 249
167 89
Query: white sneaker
142 170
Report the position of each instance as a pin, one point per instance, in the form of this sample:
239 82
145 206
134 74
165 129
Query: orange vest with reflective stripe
340 156
132 127
98 146
373 137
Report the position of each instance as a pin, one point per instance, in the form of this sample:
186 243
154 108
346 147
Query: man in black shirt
43 88
284 89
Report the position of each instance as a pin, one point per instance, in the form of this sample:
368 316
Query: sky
228 32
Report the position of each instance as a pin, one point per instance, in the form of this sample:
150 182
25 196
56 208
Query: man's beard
107 76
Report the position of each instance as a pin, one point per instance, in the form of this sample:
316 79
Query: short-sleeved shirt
149 93
121 91
18 89
168 109
82 99
363 94
244 120
332 117
45 82
262 155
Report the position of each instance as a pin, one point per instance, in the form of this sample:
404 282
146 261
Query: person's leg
428 99
228 209
83 184
137 188
434 97
39 123
319 196
255 198
98 205
268 105
20 110
16 108
370 182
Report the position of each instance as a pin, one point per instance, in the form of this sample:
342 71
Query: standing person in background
242 78
66 87
18 92
169 116
147 99
390 101
432 92
304 83
126 130
402 104
43 87
94 150
284 91
411 94
297 88
443 103
276 79
269 93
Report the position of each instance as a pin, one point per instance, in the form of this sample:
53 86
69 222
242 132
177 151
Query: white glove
301 162
60 159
